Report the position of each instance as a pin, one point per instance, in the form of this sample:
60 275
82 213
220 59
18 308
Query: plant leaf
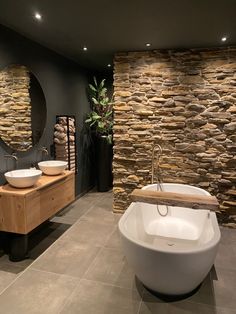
92 87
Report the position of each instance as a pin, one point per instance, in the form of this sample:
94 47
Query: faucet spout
43 150
12 156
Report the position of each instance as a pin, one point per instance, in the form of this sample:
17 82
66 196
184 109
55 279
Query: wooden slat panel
175 199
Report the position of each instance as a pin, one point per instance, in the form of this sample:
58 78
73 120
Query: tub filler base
171 255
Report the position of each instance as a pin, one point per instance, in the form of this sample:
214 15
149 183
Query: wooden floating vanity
22 210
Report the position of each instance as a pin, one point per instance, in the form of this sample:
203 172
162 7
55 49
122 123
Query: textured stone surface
186 102
15 107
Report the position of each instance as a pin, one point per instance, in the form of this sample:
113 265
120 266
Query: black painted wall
65 88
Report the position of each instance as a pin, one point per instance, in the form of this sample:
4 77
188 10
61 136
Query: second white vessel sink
52 167
23 178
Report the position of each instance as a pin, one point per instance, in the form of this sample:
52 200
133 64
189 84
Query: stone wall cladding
15 107
185 101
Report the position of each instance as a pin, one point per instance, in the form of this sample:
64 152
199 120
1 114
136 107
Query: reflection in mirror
22 108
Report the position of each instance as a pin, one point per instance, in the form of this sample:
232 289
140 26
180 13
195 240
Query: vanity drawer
12 213
44 203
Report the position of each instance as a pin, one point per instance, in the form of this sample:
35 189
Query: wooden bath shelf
175 199
22 210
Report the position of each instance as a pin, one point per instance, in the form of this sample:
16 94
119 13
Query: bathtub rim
204 247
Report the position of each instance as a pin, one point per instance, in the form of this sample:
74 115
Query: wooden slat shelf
175 199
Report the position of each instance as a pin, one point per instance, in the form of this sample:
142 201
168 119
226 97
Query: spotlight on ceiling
85 48
224 38
38 16
109 65
148 45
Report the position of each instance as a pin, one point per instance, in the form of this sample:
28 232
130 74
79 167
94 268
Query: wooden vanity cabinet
22 210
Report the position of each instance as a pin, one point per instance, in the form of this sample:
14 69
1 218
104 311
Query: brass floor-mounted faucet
157 158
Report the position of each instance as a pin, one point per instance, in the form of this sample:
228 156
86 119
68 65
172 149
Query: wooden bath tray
175 199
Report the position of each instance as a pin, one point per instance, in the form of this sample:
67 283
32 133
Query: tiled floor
84 271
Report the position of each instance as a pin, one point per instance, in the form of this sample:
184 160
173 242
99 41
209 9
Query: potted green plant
100 120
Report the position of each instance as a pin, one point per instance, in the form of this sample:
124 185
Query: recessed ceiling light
109 65
224 38
85 48
148 45
38 16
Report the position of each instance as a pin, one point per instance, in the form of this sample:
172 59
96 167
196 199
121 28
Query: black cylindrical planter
103 157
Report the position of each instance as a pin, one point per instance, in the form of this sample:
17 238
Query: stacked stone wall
15 107
186 102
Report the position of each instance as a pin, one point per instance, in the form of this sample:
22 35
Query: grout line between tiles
92 262
60 274
213 306
141 301
102 247
109 284
67 300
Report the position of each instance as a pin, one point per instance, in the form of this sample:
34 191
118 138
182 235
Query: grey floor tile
37 292
66 219
226 256
106 203
100 216
224 288
114 241
228 235
217 290
152 307
97 298
76 209
226 311
8 273
110 266
24 264
94 196
95 234
191 308
55 230
68 257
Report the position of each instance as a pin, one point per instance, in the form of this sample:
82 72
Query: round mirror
22 108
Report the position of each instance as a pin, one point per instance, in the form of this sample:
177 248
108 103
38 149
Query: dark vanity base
18 247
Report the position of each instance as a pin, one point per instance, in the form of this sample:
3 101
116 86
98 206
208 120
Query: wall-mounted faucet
12 156
43 150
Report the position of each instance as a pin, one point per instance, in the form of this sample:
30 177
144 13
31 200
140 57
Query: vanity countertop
43 181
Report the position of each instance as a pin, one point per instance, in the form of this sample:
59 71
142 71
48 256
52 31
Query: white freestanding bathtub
172 254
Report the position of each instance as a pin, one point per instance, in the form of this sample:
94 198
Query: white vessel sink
52 167
23 178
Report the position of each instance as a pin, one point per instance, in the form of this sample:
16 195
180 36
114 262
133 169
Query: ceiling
109 26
